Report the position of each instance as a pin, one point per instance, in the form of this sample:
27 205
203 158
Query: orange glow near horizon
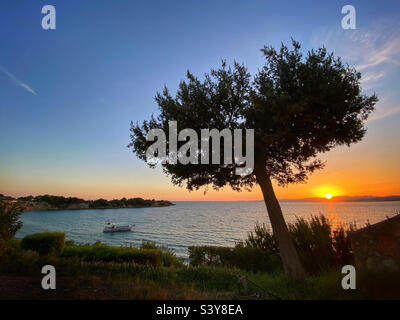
164 190
352 171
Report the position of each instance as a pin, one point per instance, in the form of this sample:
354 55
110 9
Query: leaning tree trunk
288 253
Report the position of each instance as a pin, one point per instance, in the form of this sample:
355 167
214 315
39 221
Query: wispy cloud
15 80
384 114
375 52
372 76
379 52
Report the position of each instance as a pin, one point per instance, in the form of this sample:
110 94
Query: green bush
242 257
101 252
9 224
169 258
45 243
148 245
319 247
261 238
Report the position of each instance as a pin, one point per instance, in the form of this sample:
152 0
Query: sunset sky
67 96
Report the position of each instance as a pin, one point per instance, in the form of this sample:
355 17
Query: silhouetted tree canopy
299 106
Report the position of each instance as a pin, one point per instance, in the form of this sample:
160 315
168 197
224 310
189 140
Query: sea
194 223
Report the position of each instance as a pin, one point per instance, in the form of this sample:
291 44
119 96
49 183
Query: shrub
242 257
342 245
169 258
261 238
9 223
45 243
318 246
148 245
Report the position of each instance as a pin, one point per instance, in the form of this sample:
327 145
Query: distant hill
48 202
346 199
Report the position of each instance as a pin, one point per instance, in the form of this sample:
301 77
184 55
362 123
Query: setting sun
327 191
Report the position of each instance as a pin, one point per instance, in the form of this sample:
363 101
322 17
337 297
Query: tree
9 223
298 105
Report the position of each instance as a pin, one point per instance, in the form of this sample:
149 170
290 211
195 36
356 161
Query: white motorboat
112 227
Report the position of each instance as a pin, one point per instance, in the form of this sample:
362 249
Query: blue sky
67 95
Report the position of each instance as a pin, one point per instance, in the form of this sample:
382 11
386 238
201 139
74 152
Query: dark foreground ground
16 287
21 287
28 287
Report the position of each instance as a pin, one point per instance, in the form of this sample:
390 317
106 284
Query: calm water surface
192 223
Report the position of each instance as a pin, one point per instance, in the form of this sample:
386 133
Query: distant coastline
49 202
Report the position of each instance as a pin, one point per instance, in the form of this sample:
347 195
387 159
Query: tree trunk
288 253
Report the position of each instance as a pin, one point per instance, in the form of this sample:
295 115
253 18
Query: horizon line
223 200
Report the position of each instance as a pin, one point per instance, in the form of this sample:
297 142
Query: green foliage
217 281
45 243
64 202
261 238
341 241
169 257
242 257
318 246
132 202
100 252
106 253
137 202
99 203
148 245
9 223
58 201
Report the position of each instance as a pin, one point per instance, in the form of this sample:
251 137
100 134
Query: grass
137 281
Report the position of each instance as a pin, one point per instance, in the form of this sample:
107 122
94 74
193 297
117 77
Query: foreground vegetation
138 280
251 270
